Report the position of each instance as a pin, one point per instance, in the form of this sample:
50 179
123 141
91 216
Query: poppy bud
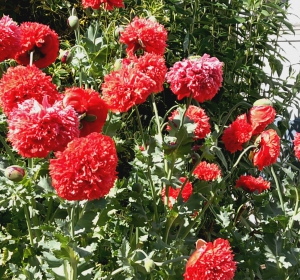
14 173
118 64
263 102
67 57
73 22
137 187
149 265
118 31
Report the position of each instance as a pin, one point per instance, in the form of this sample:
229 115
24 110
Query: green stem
278 189
140 125
291 222
193 223
28 222
72 220
156 117
178 259
35 221
8 150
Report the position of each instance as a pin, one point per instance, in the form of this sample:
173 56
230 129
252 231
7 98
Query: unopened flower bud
137 187
118 31
67 57
149 265
263 102
14 173
73 22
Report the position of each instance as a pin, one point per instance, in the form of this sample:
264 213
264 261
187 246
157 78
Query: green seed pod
73 22
263 102
14 173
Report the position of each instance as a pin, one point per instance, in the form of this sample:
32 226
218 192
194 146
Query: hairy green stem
28 223
291 222
278 189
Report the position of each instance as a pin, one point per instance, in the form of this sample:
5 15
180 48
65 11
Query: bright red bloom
268 149
35 130
173 193
297 145
260 116
40 39
238 133
152 65
86 169
207 171
10 38
198 116
201 77
125 88
144 34
24 82
211 261
108 4
88 103
252 184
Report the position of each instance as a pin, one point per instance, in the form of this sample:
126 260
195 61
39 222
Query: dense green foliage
114 237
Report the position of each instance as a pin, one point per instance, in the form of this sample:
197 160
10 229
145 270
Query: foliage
132 234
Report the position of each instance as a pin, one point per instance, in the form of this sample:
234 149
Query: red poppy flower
89 104
198 116
238 133
152 65
125 88
297 145
211 261
41 40
144 34
268 149
86 169
24 82
260 116
201 77
37 129
207 171
10 38
252 184
173 193
108 4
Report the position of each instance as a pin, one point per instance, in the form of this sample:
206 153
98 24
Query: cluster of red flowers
86 169
199 117
211 261
140 76
89 106
199 77
10 38
207 171
173 193
252 184
251 125
107 4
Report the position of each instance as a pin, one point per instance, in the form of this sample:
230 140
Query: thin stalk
72 220
153 192
8 150
35 221
291 222
193 223
278 189
28 223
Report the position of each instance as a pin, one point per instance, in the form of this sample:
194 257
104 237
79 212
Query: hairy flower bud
14 173
73 22
67 57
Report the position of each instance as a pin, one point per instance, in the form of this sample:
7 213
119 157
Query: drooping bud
263 102
14 173
73 22
67 57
